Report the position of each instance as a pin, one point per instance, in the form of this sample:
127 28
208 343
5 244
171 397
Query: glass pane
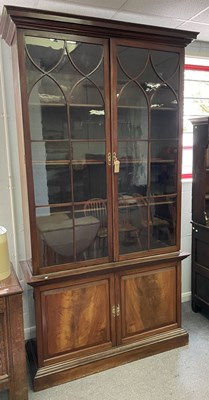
51 184
92 151
164 124
48 122
86 92
66 236
44 53
132 95
50 151
86 57
96 209
133 226
87 123
46 91
165 98
164 150
89 181
165 63
163 178
132 177
149 80
163 221
126 55
132 123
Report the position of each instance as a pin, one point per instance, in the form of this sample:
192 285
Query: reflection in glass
91 151
164 125
163 221
163 178
50 151
97 208
89 181
66 236
132 123
164 150
126 55
165 63
133 158
51 184
88 63
164 97
90 124
45 53
132 95
129 227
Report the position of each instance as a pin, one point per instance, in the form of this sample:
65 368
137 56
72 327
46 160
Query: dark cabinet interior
101 105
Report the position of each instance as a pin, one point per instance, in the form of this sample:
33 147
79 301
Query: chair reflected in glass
127 226
97 208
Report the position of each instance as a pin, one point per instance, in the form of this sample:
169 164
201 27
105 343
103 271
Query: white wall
186 231
11 215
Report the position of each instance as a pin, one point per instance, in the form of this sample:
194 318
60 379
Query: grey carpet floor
180 374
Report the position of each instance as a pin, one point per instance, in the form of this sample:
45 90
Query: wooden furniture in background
200 214
13 378
101 105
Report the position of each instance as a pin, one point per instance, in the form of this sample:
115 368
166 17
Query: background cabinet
200 215
101 107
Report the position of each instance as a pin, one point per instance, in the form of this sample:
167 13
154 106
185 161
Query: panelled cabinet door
147 302
77 318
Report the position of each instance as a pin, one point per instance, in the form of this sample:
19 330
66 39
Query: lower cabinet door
75 318
148 302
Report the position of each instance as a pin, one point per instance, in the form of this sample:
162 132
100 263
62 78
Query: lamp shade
4 255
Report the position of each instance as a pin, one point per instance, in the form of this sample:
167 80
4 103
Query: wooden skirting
63 372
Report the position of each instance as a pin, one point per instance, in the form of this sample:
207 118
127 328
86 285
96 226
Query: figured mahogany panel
76 317
148 301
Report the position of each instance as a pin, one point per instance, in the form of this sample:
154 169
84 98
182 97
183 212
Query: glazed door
103 149
147 302
145 128
67 149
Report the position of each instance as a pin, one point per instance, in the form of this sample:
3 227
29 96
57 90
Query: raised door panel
148 302
76 318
